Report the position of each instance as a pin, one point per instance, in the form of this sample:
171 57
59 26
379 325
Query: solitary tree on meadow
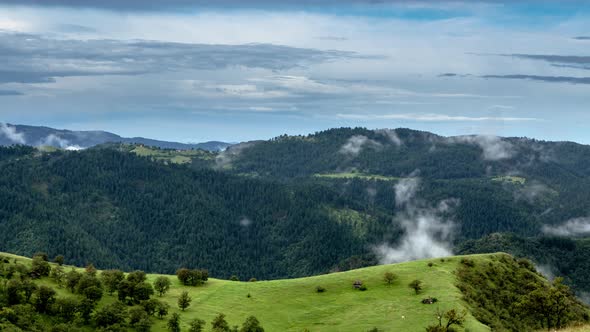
389 277
184 301
162 285
416 285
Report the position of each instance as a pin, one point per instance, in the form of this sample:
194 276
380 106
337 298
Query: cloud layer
28 58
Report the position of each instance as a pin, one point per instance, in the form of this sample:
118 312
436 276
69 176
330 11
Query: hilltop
296 305
75 140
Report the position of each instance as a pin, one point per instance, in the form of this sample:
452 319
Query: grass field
172 156
294 304
353 175
510 179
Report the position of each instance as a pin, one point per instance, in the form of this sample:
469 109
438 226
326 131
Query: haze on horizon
184 70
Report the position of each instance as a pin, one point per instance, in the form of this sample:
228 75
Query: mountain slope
67 139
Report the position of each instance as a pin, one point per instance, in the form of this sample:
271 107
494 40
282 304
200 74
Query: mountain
480 292
295 206
67 139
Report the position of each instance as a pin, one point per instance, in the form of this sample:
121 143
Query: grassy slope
352 175
294 305
172 156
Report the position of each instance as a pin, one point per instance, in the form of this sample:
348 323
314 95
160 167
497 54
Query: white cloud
392 135
11 133
430 117
494 148
428 231
59 142
572 227
355 144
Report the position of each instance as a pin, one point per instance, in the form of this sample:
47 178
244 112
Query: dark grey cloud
582 38
564 61
557 59
453 75
10 93
551 79
29 58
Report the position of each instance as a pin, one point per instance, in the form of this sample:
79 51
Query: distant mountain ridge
76 140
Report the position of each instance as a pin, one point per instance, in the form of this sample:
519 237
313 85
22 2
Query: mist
225 158
493 147
356 144
531 192
572 227
391 135
428 231
12 134
56 141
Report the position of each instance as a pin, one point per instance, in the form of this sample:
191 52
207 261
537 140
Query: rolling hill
295 304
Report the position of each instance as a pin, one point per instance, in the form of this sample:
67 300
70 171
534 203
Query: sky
237 70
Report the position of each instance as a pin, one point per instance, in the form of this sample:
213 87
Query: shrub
429 300
416 285
468 262
192 277
389 277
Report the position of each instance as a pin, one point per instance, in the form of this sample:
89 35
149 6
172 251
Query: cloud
175 5
428 231
12 135
572 227
245 222
550 79
582 38
559 59
58 142
332 38
30 58
430 117
391 134
577 226
546 270
355 144
225 158
10 93
531 192
74 28
405 190
494 148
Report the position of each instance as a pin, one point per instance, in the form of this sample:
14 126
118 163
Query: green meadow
295 304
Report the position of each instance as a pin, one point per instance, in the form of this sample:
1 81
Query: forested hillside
554 256
290 206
